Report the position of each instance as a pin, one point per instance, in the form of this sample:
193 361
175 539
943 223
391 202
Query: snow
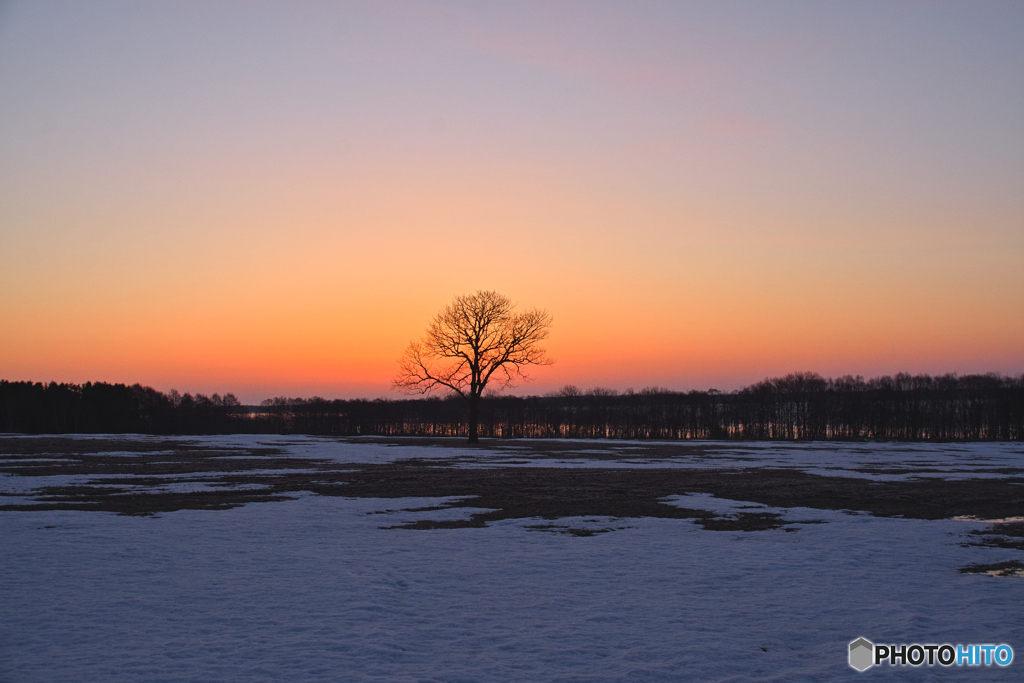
944 460
314 589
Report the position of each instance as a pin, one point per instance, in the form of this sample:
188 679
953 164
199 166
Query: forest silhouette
801 406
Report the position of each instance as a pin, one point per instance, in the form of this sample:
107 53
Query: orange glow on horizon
695 205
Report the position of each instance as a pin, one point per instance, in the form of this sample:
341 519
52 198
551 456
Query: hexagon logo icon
862 654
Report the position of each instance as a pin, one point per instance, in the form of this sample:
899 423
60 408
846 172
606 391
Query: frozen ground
883 461
874 460
314 588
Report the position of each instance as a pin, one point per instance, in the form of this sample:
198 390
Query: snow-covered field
316 589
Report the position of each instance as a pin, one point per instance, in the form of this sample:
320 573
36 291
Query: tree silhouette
476 340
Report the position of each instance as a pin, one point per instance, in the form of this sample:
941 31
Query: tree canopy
476 341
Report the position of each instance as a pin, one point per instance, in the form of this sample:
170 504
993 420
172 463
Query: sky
275 198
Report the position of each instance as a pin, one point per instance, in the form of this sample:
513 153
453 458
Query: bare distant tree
475 341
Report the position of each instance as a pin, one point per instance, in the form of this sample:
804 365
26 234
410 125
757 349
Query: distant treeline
101 408
801 406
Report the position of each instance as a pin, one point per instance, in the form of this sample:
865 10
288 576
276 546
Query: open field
302 558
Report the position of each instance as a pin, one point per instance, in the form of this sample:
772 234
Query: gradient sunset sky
275 197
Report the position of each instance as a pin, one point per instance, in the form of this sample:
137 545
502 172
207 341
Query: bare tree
475 341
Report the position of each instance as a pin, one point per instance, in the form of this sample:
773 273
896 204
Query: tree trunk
474 419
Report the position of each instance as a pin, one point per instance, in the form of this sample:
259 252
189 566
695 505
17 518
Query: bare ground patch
1009 568
135 479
